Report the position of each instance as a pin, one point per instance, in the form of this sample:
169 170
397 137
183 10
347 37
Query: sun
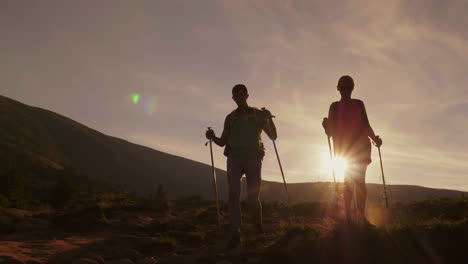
339 166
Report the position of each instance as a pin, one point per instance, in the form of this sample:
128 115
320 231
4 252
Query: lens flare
151 109
340 165
135 98
147 104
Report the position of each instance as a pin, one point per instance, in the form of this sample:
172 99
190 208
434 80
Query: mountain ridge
70 143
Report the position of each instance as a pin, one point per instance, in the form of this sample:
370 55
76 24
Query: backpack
234 120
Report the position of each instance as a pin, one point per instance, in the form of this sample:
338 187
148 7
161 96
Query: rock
18 212
120 261
9 260
168 258
176 259
254 260
98 258
235 252
6 223
30 224
131 254
224 262
156 246
149 260
121 253
210 258
85 220
32 262
140 234
84 261
4 218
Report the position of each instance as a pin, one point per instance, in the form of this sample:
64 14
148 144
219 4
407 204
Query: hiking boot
366 224
234 242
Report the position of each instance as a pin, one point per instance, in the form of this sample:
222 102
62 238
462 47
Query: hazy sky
84 59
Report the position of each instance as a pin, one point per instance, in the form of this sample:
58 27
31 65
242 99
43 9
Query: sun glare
338 165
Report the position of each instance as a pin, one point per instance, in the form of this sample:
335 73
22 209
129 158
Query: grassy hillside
46 139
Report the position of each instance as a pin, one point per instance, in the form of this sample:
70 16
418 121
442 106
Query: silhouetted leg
348 195
234 174
361 190
253 173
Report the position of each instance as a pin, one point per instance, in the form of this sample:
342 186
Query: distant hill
322 191
42 138
53 140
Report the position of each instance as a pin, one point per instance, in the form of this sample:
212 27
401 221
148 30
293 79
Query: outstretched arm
328 123
369 131
270 129
269 126
220 141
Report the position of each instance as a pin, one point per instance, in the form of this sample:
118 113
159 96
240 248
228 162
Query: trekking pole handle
375 144
209 128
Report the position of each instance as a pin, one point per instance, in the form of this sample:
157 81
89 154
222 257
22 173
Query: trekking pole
282 173
214 179
333 170
279 163
383 177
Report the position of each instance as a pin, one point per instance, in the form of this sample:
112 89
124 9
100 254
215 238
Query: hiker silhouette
348 125
244 149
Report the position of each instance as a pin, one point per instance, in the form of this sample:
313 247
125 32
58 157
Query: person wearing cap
244 150
348 125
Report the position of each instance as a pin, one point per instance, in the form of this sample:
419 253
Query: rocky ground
189 233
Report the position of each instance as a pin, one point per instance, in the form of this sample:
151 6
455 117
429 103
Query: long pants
252 170
355 182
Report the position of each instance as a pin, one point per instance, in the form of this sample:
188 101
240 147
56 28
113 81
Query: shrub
12 187
61 193
4 202
159 200
113 199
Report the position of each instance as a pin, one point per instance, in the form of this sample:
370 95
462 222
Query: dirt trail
41 250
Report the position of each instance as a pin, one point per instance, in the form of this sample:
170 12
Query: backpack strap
234 117
256 118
